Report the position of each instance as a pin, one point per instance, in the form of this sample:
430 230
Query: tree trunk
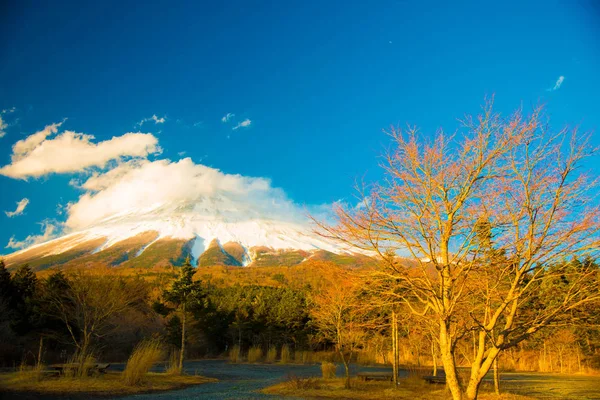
447 353
395 348
346 363
39 358
434 357
478 371
496 377
182 351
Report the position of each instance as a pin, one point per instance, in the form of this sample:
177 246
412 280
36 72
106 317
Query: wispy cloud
244 124
227 117
20 208
558 84
3 124
49 231
152 118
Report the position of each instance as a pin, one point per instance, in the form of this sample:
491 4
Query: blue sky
318 82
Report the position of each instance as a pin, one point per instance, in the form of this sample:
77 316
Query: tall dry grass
79 365
302 357
235 354
31 373
144 356
286 356
173 364
271 355
328 370
255 354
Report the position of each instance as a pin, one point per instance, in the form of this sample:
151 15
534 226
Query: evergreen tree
5 281
24 283
184 294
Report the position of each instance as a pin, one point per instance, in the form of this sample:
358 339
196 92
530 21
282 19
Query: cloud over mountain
163 188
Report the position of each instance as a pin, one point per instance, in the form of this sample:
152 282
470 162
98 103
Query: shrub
235 354
285 354
271 354
328 370
144 356
255 354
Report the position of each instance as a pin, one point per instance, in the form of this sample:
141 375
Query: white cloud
364 203
227 117
165 189
19 210
244 124
37 155
3 126
49 231
152 118
558 84
22 147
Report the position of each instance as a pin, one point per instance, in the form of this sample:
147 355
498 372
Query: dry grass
271 355
235 354
104 385
328 370
80 365
413 388
173 364
334 388
285 354
255 354
33 373
302 357
144 356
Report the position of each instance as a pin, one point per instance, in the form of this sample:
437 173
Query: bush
271 354
235 354
285 354
255 354
144 356
328 370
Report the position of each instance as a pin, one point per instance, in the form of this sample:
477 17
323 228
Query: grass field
109 384
514 386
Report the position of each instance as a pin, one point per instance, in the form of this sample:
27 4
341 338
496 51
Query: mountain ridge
266 243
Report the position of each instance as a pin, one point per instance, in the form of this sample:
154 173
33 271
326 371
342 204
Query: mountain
129 242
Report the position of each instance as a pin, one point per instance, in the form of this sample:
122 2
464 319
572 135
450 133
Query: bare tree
90 304
520 178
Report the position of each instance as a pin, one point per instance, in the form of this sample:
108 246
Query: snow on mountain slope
181 201
199 230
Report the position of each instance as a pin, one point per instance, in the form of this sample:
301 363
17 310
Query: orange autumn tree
338 312
512 175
